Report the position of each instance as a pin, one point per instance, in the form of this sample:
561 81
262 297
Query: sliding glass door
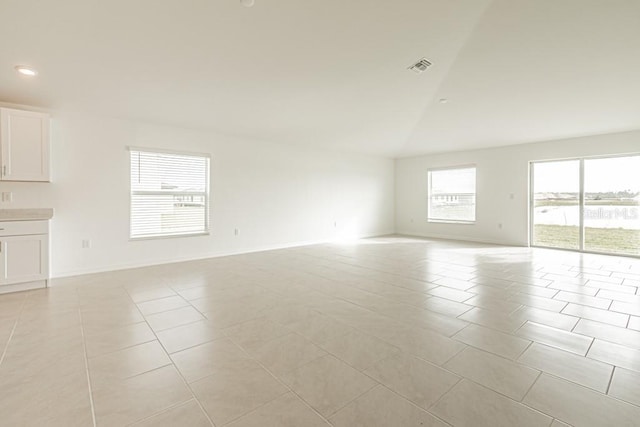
590 204
611 211
556 204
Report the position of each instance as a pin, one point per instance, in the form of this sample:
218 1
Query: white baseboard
150 263
17 287
458 238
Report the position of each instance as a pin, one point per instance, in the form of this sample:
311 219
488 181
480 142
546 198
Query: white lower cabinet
24 255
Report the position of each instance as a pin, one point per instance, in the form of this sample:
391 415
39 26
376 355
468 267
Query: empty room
278 213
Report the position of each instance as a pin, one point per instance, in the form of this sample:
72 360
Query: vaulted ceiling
333 73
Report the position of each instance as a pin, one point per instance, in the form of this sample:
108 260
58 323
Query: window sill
170 236
444 221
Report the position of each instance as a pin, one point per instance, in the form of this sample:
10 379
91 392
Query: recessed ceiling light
443 100
26 71
247 3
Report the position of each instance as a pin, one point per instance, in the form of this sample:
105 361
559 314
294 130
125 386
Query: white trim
214 254
206 194
531 204
164 151
460 239
169 236
581 230
442 168
24 286
449 221
593 157
581 202
475 195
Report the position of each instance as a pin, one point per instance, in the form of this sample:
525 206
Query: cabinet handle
4 170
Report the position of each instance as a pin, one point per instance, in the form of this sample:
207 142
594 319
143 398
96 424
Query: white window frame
475 194
581 201
205 194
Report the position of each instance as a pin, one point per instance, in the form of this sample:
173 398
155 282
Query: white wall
500 172
276 195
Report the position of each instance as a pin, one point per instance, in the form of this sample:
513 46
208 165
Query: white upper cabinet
24 139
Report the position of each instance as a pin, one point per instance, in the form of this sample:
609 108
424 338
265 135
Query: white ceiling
333 73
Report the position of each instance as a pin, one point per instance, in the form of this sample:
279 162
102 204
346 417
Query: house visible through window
452 194
169 193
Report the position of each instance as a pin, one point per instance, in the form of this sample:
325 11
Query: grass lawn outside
588 202
608 240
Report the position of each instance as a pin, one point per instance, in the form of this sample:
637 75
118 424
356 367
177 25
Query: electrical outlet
7 196
500 225
236 232
86 244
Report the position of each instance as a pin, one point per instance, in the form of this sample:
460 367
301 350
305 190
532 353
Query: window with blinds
452 195
169 194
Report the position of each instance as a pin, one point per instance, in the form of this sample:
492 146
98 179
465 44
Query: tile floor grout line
531 408
280 382
540 372
524 396
163 411
525 350
191 346
6 346
377 383
441 366
583 387
186 383
416 405
593 339
13 329
613 372
86 367
177 326
409 355
576 325
454 385
606 325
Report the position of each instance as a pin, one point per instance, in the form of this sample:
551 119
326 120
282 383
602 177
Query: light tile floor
382 332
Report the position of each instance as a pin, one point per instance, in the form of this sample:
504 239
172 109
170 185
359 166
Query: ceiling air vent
420 66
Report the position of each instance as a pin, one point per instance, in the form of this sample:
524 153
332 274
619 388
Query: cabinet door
24 258
24 137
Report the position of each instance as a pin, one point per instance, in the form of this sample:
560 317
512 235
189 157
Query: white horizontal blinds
452 194
169 194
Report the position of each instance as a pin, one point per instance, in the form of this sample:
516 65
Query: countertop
26 214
